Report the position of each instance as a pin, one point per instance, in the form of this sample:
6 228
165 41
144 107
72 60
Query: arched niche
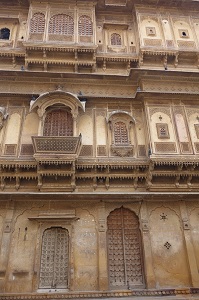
124 120
122 133
52 100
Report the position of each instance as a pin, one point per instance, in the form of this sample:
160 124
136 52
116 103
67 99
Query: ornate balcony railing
53 146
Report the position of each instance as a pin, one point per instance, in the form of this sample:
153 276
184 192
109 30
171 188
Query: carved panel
152 42
54 258
27 149
169 43
186 44
162 130
165 110
196 147
122 150
165 147
101 150
124 249
10 149
185 147
56 144
59 37
87 150
141 150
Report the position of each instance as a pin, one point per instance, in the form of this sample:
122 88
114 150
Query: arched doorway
124 250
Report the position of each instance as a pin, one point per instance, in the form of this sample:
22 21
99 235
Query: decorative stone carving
125 150
3 116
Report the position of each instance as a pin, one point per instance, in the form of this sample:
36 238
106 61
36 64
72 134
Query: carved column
189 246
5 244
102 248
148 260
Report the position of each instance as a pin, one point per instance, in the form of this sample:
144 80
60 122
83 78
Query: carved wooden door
58 122
124 249
54 258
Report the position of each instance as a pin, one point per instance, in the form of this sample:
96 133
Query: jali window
124 249
37 23
61 24
120 133
116 39
85 26
54 258
58 122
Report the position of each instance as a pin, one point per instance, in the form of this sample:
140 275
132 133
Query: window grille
61 24
58 123
37 23
116 39
120 133
85 26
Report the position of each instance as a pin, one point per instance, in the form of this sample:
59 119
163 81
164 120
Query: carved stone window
54 259
150 31
162 130
58 122
120 133
120 124
85 26
4 34
184 33
61 24
124 249
116 39
37 23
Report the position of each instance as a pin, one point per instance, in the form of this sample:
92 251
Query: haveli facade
99 149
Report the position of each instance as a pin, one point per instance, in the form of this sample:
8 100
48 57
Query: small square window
150 31
197 130
162 130
184 33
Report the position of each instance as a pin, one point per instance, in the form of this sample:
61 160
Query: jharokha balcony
53 147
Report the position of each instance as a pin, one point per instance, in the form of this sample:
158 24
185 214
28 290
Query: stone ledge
184 292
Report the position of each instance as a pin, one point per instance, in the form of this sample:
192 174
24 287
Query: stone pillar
102 248
5 245
189 246
148 261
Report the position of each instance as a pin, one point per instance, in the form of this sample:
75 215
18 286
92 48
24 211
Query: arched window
124 249
85 26
54 258
116 39
4 34
37 23
58 122
61 24
120 133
